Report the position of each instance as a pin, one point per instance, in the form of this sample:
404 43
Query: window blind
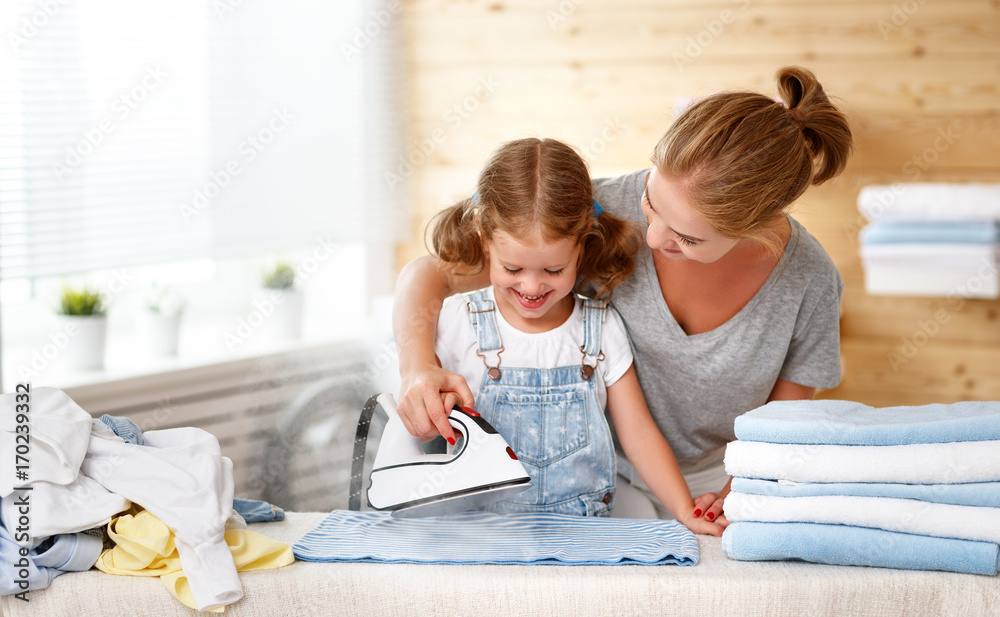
134 133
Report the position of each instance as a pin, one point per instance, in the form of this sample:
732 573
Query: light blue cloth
128 430
849 423
857 546
986 494
931 232
55 555
484 537
256 511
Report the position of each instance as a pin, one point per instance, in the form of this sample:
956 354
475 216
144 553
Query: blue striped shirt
481 537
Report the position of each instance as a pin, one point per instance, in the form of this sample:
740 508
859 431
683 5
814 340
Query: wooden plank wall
920 80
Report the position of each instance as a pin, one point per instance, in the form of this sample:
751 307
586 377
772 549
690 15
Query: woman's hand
698 524
709 507
428 395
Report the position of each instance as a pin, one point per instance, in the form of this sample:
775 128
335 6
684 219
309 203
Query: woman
733 304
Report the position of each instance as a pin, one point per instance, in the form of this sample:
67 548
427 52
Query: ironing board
716 586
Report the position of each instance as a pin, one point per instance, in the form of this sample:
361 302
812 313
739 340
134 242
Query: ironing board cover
481 537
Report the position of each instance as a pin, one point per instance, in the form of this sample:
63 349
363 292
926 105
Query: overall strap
593 320
482 315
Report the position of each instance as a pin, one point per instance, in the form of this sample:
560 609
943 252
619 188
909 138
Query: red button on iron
470 411
511 454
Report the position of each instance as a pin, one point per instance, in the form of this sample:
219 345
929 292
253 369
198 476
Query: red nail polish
710 516
697 512
451 440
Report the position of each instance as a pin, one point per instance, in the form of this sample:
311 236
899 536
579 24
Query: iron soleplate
460 501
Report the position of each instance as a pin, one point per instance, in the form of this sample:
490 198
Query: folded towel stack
931 239
840 482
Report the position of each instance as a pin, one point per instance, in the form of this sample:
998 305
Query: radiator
286 421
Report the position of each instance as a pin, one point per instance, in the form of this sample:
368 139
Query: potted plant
160 321
86 320
280 302
281 276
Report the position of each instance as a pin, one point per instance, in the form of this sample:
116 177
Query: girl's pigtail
609 247
455 236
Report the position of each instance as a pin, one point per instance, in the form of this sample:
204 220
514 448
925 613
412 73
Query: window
134 134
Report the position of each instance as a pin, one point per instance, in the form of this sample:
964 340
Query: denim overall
551 418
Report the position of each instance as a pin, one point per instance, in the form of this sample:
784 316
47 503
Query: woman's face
675 230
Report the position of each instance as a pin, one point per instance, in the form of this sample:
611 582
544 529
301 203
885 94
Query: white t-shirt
456 345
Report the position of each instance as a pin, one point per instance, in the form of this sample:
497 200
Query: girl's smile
532 302
533 278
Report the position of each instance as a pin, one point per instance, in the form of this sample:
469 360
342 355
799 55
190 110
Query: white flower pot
160 332
87 341
277 313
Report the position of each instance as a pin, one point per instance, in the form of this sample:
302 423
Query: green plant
281 276
81 302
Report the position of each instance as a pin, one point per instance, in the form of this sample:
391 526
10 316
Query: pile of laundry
931 239
100 492
839 482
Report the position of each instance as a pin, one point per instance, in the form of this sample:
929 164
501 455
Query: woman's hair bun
826 130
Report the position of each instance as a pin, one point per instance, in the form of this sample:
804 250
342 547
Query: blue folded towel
849 423
482 537
931 232
985 494
857 546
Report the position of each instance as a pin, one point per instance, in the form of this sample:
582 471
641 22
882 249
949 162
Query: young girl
542 361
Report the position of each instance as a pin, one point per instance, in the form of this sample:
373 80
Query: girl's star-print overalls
552 418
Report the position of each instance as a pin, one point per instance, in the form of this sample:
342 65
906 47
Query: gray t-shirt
696 385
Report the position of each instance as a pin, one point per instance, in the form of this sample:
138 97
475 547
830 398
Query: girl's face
533 279
675 230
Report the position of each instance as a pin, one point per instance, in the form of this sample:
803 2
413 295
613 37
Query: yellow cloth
144 546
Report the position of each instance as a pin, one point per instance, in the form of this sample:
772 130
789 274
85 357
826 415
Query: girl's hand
709 506
427 397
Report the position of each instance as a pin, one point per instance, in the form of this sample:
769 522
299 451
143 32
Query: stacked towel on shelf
969 201
843 483
931 239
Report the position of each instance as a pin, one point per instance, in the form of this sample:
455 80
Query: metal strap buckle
586 370
493 371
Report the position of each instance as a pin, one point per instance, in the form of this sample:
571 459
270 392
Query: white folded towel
930 200
929 463
903 515
944 256
983 283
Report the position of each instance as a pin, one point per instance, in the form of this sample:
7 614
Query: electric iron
478 469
